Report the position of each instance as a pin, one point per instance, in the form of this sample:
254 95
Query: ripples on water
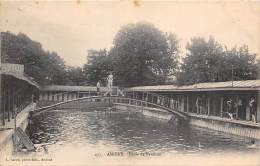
125 132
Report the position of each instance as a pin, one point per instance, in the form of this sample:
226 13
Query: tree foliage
44 66
208 61
143 55
98 65
75 76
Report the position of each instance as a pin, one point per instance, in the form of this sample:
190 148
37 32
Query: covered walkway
17 92
208 99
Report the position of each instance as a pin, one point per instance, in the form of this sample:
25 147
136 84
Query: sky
70 28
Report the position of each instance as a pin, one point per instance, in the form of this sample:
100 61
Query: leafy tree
207 61
243 63
45 67
143 55
75 76
98 65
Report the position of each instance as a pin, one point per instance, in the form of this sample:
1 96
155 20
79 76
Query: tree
143 55
75 76
98 65
207 61
44 66
243 63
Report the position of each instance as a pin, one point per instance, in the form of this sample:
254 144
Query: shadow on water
127 131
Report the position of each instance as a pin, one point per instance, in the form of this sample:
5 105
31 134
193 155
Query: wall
6 142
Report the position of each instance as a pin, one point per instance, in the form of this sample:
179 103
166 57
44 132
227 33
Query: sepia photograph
129 83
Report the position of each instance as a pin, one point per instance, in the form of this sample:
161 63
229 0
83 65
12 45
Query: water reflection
127 132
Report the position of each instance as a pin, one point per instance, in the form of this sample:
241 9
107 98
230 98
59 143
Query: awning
17 71
24 78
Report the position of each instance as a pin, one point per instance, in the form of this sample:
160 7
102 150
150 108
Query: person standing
110 83
239 106
98 87
230 108
253 107
198 105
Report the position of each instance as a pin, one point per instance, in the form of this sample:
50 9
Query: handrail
164 98
68 92
130 101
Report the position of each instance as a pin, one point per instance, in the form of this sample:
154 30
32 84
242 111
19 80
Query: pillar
182 104
221 106
236 101
65 96
208 105
9 106
258 109
55 97
3 97
13 104
46 96
58 96
188 106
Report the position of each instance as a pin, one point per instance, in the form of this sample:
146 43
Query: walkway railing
154 98
116 99
69 95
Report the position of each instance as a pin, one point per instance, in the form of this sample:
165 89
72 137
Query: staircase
24 139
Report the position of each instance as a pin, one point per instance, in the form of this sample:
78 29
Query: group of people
238 105
235 109
109 85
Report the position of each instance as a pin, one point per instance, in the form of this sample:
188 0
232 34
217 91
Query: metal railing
77 94
115 99
154 98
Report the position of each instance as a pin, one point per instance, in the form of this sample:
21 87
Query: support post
188 106
237 98
9 106
221 106
13 105
208 105
3 120
1 75
15 111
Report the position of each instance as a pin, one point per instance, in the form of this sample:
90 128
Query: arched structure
114 100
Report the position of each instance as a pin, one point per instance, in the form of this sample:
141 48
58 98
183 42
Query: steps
24 139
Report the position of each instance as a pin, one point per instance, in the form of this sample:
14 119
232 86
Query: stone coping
7 130
234 121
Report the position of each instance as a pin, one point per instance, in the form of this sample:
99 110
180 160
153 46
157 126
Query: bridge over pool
112 100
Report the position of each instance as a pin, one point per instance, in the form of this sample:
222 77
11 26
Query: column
65 96
208 105
236 106
45 96
50 96
55 97
68 96
3 97
13 105
188 106
9 106
182 104
221 106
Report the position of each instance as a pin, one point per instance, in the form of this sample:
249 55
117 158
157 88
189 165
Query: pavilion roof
207 86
